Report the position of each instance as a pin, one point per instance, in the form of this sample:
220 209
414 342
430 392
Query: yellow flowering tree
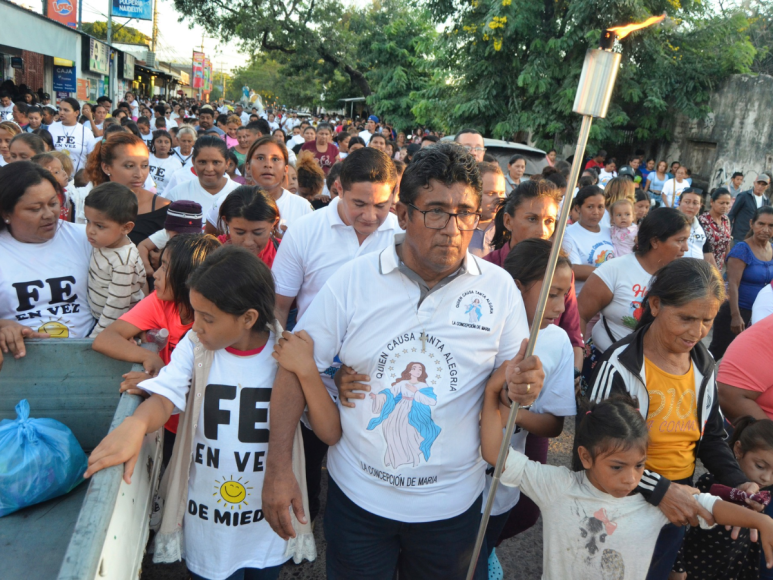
512 66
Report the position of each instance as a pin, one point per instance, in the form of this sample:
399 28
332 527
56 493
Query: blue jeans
667 547
656 199
494 528
364 546
250 574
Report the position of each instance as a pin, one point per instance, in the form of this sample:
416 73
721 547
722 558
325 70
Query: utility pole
155 27
222 76
109 22
202 72
80 14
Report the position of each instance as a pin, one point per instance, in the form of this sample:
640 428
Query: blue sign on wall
64 79
140 9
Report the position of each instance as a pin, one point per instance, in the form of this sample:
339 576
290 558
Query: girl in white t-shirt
162 164
221 375
588 243
673 188
527 263
593 525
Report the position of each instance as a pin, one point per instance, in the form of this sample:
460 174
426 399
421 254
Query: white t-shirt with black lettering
224 527
161 171
556 397
45 286
410 451
586 248
291 207
77 140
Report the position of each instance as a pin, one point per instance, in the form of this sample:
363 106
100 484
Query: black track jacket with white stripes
621 370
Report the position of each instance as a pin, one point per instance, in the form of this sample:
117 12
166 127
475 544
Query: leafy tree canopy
512 66
122 34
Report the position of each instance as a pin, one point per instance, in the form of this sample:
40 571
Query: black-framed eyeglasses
437 219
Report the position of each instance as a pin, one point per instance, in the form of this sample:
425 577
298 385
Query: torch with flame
594 92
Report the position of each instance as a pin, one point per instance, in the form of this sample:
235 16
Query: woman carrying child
221 376
664 364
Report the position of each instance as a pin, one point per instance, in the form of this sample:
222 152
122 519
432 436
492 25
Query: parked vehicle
100 529
504 150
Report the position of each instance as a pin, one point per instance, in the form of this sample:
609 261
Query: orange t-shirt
150 313
672 422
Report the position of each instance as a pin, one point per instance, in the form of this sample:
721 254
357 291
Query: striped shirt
116 278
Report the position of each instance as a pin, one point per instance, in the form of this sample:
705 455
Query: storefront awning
49 37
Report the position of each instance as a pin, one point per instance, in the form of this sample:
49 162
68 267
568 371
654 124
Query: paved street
521 557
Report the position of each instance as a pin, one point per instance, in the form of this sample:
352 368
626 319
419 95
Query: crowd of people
334 289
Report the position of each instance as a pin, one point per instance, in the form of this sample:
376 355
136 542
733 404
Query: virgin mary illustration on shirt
405 417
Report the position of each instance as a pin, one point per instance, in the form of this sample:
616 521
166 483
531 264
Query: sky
176 40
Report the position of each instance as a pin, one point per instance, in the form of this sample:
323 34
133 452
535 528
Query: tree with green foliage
122 34
395 41
326 51
512 66
312 30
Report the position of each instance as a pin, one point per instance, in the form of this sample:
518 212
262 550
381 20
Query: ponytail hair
34 142
210 141
236 281
680 282
310 174
614 424
528 260
752 434
525 191
249 202
106 151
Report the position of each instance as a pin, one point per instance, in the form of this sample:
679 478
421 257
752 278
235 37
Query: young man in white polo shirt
429 323
356 223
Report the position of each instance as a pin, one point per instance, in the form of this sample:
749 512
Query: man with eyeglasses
426 323
472 140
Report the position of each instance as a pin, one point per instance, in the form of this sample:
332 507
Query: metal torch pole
540 311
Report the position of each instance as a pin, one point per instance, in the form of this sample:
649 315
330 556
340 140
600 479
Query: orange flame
623 31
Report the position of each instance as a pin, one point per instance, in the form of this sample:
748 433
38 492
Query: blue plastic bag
39 459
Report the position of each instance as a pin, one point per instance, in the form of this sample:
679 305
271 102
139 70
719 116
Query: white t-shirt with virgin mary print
411 451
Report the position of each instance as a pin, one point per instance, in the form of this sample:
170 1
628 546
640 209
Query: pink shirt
746 364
